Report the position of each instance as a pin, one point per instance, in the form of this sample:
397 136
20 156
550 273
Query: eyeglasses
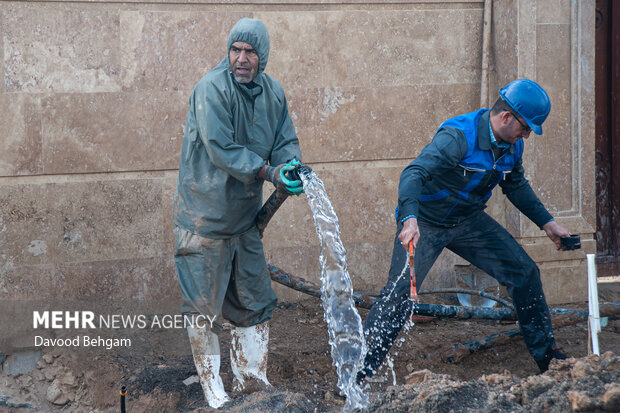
526 128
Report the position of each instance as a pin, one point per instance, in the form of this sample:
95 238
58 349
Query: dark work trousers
484 243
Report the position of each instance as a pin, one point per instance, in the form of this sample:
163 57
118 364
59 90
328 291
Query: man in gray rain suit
238 133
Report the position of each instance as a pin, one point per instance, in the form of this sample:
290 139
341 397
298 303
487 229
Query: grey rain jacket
231 131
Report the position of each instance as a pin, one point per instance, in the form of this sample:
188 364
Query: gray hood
253 32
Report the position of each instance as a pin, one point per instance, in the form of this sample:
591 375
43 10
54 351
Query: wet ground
503 378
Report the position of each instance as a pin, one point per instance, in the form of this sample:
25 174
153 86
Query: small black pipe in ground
123 393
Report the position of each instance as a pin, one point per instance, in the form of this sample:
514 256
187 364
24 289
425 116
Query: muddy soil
417 378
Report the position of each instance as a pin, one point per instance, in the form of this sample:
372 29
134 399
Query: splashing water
390 364
409 323
344 324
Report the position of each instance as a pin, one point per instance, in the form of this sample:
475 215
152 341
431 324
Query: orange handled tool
413 293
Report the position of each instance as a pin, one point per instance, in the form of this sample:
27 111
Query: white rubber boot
248 358
206 351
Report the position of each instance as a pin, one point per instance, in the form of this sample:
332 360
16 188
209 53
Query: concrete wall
95 96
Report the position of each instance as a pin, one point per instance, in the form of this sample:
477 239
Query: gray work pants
224 278
484 243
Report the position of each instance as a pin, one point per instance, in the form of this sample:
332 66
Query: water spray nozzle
300 167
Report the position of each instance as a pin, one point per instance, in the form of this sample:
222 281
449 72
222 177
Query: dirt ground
503 378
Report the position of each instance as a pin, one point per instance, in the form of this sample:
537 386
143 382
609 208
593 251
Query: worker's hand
277 176
555 231
409 232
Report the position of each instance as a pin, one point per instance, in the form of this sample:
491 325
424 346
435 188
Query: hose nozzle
299 168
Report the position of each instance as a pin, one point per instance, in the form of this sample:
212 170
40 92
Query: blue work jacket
454 175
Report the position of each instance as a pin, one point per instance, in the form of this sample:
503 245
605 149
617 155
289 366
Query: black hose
267 211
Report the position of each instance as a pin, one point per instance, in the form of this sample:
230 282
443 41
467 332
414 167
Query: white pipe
486 51
594 318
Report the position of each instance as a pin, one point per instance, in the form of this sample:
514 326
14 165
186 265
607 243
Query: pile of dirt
579 385
502 379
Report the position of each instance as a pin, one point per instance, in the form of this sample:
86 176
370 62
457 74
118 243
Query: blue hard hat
529 100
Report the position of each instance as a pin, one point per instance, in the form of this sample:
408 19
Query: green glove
277 176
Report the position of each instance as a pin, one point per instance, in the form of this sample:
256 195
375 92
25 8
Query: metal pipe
366 299
486 51
362 299
594 319
123 393
457 352
469 292
483 313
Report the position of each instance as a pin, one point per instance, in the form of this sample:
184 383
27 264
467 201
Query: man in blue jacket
441 198
238 134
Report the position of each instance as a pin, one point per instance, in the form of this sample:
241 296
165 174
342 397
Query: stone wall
95 97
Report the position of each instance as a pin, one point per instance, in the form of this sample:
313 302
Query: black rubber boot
362 374
555 353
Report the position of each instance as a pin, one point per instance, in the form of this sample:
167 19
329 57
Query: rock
331 397
611 363
38 375
517 391
24 381
50 373
21 362
191 380
581 369
62 389
68 379
511 398
11 403
581 402
419 376
493 379
561 365
536 385
611 398
55 395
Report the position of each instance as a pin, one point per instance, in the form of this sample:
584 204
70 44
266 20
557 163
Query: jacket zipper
467 168
504 173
